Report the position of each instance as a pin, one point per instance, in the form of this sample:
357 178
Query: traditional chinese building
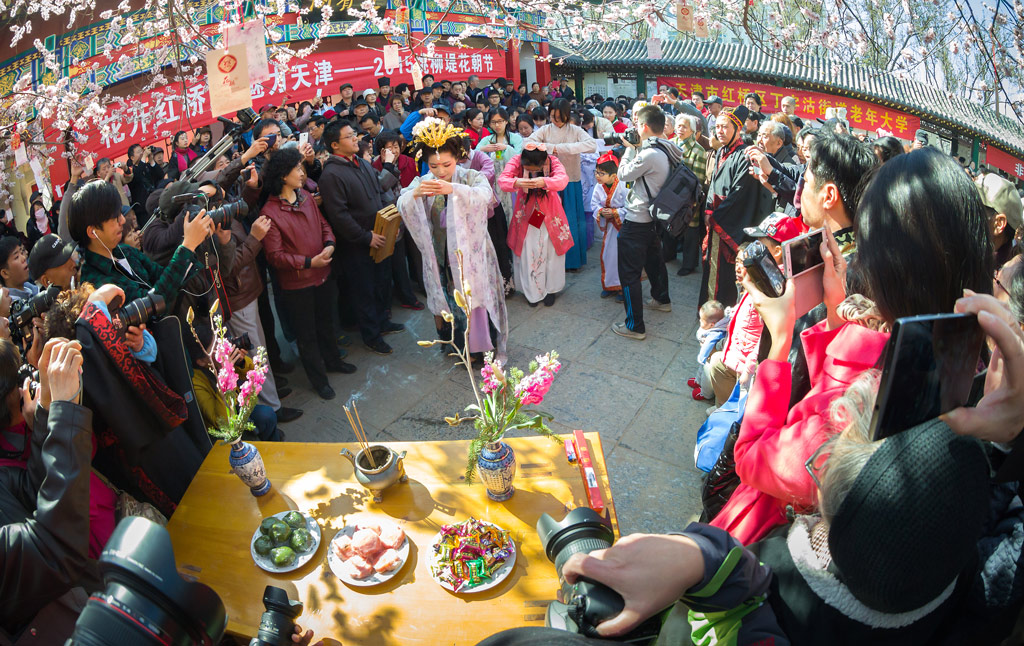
873 99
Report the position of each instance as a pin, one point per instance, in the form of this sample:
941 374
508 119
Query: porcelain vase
247 464
497 468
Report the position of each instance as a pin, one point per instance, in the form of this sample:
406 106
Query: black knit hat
911 521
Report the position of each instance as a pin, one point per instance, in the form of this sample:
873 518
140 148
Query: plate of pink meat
368 552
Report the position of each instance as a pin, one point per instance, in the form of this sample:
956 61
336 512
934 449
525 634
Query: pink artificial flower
222 351
490 384
245 392
227 378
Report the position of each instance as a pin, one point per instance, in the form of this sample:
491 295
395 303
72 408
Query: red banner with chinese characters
809 105
1004 161
153 117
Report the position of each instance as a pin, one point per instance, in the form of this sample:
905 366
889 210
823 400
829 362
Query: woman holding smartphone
924 197
299 246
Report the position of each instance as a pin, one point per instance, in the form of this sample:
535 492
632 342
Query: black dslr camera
763 271
242 342
581 606
24 310
144 601
630 135
277 624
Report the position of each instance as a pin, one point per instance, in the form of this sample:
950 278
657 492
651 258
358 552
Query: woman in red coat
923 239
299 246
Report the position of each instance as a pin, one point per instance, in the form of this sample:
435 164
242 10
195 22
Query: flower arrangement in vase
239 400
501 397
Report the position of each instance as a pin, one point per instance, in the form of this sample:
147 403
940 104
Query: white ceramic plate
499 575
340 571
267 564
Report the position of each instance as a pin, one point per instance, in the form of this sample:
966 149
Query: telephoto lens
232 210
144 601
581 531
278 622
140 310
583 605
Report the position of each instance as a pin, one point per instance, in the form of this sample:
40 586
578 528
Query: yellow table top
213 526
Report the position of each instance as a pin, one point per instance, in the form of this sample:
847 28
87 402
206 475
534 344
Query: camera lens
144 601
231 210
141 310
278 623
581 531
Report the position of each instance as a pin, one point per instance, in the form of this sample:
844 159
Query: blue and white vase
247 464
497 468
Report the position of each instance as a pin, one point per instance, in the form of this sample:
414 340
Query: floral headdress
433 133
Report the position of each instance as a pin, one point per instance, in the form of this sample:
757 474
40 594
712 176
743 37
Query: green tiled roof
735 61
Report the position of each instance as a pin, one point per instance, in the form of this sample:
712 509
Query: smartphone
801 261
802 253
763 272
303 138
930 367
271 140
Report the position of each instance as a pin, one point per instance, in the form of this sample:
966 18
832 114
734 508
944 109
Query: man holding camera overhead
647 165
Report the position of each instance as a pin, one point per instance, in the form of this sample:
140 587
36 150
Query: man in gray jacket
647 167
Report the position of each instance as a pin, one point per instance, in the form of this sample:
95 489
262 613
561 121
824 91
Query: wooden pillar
512 62
578 81
543 68
641 83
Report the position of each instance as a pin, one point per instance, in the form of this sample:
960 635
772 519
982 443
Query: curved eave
726 61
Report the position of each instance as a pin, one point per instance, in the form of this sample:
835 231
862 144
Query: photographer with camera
96 225
45 507
647 162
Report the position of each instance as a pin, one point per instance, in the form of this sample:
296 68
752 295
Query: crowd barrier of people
816 529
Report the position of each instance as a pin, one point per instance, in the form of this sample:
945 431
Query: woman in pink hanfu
538 233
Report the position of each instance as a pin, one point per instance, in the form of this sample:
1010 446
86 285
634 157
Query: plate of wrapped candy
472 556
285 541
368 552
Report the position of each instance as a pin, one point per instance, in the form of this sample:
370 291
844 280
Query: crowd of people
825 535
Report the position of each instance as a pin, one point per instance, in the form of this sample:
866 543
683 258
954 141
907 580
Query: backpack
674 204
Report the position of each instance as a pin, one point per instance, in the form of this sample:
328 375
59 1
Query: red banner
153 117
809 105
1004 161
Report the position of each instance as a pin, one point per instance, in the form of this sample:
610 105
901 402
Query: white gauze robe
465 223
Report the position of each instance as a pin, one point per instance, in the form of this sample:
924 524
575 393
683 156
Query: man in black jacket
352 194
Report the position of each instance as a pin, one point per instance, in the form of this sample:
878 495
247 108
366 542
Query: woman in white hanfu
446 211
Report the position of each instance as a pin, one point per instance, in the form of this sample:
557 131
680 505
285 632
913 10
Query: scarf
163 401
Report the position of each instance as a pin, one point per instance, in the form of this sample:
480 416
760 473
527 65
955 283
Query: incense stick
360 437
363 431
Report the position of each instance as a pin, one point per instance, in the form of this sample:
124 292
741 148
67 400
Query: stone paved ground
633 392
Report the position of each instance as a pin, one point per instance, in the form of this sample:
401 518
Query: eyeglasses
817 461
995 277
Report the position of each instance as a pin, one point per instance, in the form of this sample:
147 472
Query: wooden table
212 528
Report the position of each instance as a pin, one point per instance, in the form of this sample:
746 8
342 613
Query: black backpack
673 206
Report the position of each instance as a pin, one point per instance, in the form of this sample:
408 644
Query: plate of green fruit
285 541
